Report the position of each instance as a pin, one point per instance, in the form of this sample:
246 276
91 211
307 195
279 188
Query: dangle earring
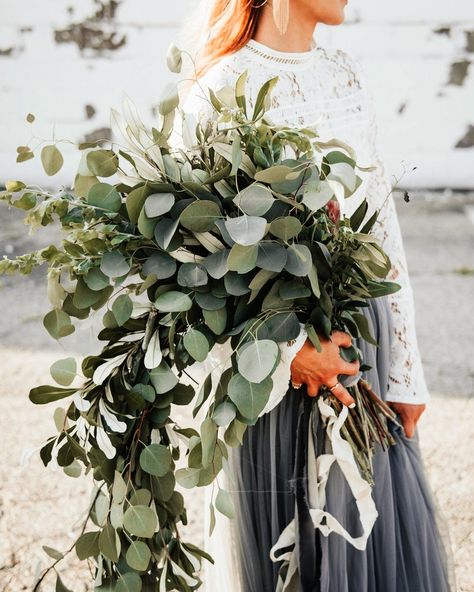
281 14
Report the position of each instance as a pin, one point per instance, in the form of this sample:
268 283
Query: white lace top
325 89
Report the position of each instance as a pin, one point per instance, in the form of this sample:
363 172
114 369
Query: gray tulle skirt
408 549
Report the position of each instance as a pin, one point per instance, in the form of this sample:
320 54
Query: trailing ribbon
318 473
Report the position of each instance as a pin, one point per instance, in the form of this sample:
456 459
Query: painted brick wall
69 61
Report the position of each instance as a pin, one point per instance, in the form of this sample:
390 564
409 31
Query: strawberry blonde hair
220 27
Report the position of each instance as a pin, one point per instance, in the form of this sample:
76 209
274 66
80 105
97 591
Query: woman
404 552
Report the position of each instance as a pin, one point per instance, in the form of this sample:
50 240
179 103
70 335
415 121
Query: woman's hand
316 369
409 414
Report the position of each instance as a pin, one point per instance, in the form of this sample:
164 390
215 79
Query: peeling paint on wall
90 111
102 133
467 141
96 32
469 41
443 31
459 71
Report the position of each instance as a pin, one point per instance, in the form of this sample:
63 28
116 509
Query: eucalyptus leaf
51 159
173 301
105 197
122 308
140 521
138 555
299 260
285 227
224 503
196 345
102 163
254 200
249 398
256 360
200 215
158 204
161 265
246 230
156 460
64 371
163 378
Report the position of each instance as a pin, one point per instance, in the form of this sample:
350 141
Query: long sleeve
407 382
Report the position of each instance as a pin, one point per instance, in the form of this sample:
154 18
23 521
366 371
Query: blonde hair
217 28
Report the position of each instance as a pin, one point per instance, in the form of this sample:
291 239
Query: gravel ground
41 507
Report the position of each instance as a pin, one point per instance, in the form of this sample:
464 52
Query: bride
271 474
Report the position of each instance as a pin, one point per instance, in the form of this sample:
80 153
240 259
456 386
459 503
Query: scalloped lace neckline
281 59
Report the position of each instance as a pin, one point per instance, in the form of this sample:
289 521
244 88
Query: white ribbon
318 474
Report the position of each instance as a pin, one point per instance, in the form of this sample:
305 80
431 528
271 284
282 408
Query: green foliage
226 238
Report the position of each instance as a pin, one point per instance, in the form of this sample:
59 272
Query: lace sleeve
406 377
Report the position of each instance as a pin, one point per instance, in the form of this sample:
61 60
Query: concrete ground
39 507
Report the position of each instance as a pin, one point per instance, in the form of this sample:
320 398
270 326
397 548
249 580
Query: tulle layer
408 549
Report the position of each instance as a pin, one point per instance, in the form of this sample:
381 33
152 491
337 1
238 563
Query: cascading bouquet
235 235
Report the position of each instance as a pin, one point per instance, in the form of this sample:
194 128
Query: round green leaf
285 227
200 215
316 198
64 371
156 459
140 521
216 264
163 378
254 200
52 160
58 323
246 230
87 545
122 307
105 197
173 301
271 256
242 259
161 265
188 478
256 360
114 264
102 163
129 582
224 503
208 301
158 204
109 543
196 344
249 398
84 297
299 260
138 555
96 280
216 320
192 275
224 413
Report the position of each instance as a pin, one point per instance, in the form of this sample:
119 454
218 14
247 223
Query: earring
281 14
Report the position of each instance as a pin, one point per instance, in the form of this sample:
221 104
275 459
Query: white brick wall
407 47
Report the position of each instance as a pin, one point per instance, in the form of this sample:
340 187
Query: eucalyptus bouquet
233 235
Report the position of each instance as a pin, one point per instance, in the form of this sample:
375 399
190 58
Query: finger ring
333 387
296 385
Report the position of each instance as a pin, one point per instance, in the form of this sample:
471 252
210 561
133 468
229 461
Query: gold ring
296 385
333 387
